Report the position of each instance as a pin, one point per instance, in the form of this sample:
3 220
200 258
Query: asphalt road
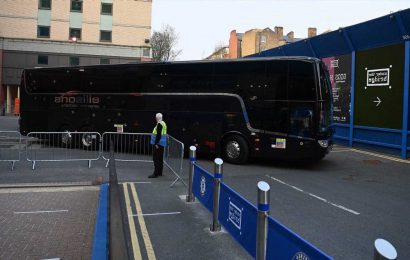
341 204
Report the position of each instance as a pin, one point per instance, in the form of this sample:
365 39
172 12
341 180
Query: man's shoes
152 176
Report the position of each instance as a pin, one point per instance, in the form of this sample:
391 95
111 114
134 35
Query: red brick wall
233 45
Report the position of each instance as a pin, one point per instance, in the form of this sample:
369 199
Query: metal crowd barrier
174 157
10 147
62 146
136 147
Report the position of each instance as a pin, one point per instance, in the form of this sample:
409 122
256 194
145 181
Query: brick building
257 40
41 33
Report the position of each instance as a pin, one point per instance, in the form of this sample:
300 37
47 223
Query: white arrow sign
378 101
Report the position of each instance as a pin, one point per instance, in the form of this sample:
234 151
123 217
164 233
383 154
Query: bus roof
301 58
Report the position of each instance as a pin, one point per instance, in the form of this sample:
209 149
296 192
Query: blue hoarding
238 217
285 244
203 187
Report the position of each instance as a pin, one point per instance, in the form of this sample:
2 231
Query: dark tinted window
106 9
44 4
76 5
43 31
195 78
42 60
105 36
302 119
75 32
74 61
301 81
104 61
276 74
325 86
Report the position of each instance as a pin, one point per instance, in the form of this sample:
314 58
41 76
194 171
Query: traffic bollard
215 226
192 159
262 220
383 250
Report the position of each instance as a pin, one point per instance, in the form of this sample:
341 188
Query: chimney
291 35
312 32
279 32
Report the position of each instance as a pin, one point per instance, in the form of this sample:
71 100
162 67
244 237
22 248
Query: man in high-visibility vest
159 141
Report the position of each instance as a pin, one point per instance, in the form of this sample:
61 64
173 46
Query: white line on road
315 196
155 214
41 211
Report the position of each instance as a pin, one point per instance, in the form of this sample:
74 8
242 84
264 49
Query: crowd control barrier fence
10 147
136 147
259 234
62 146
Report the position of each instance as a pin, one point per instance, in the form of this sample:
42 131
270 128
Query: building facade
42 33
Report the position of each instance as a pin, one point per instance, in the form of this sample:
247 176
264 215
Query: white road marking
315 196
137 182
155 214
41 211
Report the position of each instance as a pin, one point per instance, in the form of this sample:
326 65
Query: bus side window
301 81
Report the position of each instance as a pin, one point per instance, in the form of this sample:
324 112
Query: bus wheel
65 137
235 149
87 139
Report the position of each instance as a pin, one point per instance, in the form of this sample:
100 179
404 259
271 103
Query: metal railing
174 157
136 147
62 146
128 147
10 147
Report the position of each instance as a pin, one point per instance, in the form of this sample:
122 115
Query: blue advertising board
203 187
285 244
238 217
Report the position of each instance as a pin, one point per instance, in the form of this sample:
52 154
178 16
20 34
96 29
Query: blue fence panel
374 33
405 17
342 131
203 187
285 244
330 44
300 48
238 216
390 138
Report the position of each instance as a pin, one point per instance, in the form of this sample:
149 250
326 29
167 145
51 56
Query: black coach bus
265 107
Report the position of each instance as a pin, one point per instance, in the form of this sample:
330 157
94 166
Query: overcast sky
202 24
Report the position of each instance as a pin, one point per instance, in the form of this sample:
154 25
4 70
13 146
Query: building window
145 52
42 60
75 32
104 61
74 61
44 4
76 6
105 36
106 9
43 31
263 39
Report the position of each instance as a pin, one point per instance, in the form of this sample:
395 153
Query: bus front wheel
235 149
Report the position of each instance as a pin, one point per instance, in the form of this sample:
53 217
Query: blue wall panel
330 44
300 48
375 33
383 137
342 131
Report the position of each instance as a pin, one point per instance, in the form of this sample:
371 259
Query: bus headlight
323 143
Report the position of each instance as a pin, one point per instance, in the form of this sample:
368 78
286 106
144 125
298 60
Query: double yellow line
134 239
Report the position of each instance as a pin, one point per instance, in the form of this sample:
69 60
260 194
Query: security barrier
62 146
259 234
136 147
10 147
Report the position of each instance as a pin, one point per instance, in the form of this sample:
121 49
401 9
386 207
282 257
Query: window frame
70 36
106 4
42 7
43 26
42 56
76 1
71 59
101 32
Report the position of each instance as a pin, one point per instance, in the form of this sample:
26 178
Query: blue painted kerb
100 243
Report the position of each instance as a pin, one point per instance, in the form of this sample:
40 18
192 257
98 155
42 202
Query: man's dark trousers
158 157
